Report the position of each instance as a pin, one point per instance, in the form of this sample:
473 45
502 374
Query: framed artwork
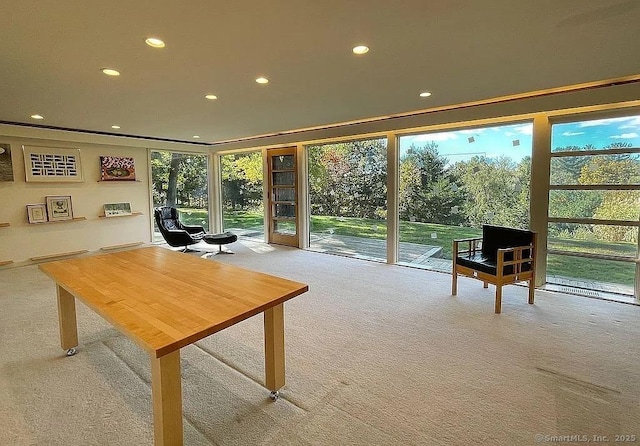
37 213
6 168
59 207
52 164
116 168
117 209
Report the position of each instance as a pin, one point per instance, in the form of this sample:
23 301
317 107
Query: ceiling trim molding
101 133
586 86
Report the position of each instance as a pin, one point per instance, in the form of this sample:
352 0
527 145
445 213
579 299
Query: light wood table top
165 300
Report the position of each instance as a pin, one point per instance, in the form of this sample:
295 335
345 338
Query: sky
515 140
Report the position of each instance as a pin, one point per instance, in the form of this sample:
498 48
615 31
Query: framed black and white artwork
46 164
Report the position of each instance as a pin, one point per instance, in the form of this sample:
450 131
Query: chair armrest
473 244
193 229
519 258
468 239
517 251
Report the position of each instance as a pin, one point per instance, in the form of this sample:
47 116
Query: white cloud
435 137
572 133
472 131
632 124
526 129
626 136
597 122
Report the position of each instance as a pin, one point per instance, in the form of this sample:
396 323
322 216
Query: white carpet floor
376 355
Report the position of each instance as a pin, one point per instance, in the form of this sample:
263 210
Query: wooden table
165 300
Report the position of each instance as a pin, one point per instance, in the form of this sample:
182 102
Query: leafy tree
348 179
497 190
614 205
179 179
608 205
428 189
242 181
567 169
618 205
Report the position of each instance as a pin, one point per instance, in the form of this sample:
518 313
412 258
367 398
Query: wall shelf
5 262
122 246
59 255
133 214
4 225
61 221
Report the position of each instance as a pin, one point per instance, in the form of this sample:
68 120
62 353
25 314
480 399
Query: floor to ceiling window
347 196
594 205
242 194
451 183
180 180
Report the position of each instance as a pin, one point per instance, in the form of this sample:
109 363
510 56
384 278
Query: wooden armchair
501 256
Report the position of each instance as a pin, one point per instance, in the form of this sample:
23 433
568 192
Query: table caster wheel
71 352
274 395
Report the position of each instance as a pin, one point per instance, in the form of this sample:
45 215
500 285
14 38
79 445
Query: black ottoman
220 239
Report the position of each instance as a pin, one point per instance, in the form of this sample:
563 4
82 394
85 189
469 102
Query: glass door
283 196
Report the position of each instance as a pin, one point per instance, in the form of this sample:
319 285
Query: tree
428 188
242 181
614 205
348 179
599 204
179 179
497 190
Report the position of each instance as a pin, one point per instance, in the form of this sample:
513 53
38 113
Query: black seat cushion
220 239
478 261
488 265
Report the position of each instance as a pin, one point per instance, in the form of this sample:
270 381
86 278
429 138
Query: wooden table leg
166 389
274 347
67 320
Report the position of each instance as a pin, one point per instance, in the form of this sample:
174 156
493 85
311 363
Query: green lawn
242 220
191 216
607 271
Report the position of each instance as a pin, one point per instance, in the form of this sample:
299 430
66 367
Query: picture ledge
4 225
133 214
119 181
59 221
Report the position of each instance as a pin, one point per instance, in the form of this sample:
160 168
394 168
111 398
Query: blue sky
514 140
599 132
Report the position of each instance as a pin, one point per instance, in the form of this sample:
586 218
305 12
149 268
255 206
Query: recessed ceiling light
425 94
196 137
360 49
37 116
211 96
154 42
110 71
262 80
115 126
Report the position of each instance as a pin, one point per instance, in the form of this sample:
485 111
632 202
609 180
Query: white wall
21 241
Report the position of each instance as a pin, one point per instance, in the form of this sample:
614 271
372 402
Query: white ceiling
51 52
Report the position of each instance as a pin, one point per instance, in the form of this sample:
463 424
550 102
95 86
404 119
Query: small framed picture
59 207
117 209
37 213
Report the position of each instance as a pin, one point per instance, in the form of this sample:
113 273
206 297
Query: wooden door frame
273 237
